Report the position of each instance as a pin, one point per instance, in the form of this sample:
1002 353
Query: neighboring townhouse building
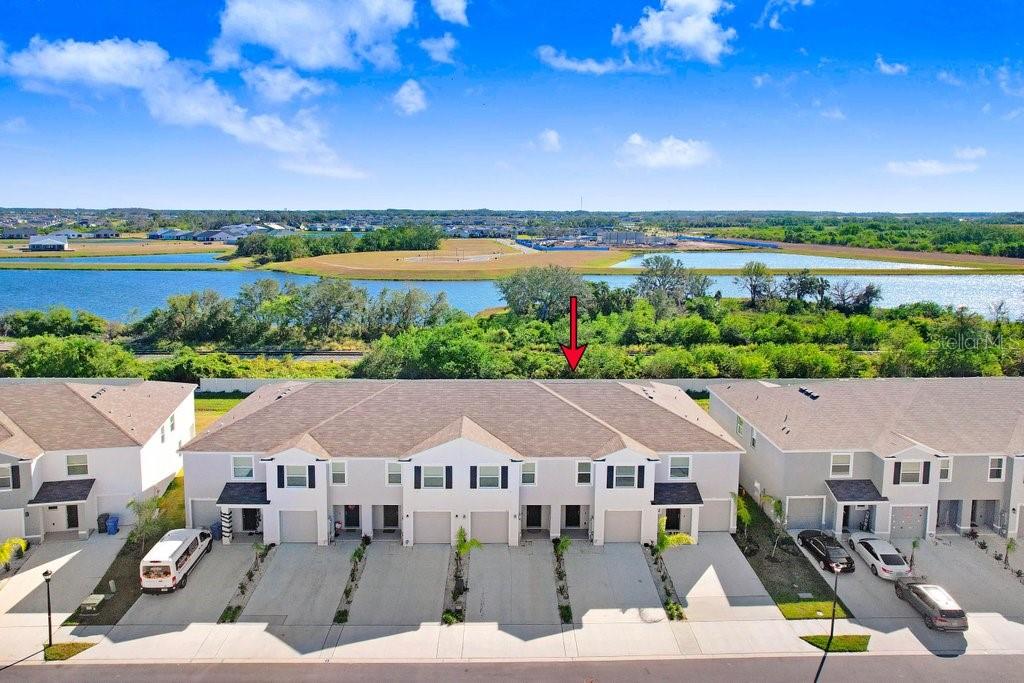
69 451
48 243
18 233
105 234
914 457
417 460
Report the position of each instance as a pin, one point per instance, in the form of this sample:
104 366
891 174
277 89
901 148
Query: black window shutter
472 476
280 476
504 476
927 471
640 477
447 476
15 476
611 476
312 476
416 477
896 468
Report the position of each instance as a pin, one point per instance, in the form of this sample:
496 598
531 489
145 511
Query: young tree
665 540
464 545
757 280
1011 547
743 515
147 523
777 509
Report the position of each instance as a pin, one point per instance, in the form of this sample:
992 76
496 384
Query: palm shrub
147 524
743 515
666 540
562 544
778 512
10 549
464 545
1011 546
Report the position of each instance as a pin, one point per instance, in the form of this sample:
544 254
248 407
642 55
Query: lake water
119 294
204 257
774 259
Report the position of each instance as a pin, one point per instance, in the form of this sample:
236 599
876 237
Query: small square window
295 476
488 477
583 473
842 465
394 473
946 469
77 465
910 473
241 467
625 476
529 473
433 477
679 467
995 469
339 473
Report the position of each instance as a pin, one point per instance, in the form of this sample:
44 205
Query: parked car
827 550
884 559
166 566
940 611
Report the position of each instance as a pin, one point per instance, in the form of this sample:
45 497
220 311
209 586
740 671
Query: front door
250 519
72 512
672 519
572 516
533 516
390 516
351 516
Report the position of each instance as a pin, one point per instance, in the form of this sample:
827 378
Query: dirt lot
115 247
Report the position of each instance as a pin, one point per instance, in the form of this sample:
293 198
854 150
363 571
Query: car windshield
156 571
893 560
837 553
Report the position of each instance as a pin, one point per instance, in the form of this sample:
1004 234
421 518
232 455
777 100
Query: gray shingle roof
855 491
244 493
67 491
677 493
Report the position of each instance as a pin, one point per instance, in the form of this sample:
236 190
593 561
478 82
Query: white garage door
432 527
805 513
204 513
715 515
908 522
490 527
298 526
622 526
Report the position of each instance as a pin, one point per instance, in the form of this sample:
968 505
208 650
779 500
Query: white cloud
410 98
281 85
549 140
440 49
949 78
15 124
1010 82
970 153
1014 114
834 113
668 152
175 94
314 34
929 167
893 69
562 62
453 11
773 10
761 80
687 26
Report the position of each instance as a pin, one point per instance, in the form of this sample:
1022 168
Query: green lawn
789 573
58 652
839 643
211 407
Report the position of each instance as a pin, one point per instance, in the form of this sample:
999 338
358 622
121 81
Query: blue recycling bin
216 531
112 524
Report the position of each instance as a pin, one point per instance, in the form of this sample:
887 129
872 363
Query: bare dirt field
112 247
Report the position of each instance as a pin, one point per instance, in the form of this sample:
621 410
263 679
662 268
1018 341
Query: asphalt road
857 668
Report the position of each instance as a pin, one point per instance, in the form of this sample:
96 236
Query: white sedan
885 560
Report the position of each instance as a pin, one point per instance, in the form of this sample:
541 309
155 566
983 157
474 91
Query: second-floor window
489 477
529 473
295 476
679 467
625 476
946 469
842 465
77 465
163 434
339 473
433 476
739 426
241 467
910 473
6 481
394 473
584 472
170 422
995 469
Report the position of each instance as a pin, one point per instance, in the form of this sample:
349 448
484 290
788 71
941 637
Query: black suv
827 550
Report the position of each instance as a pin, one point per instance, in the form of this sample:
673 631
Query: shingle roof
55 416
855 491
354 418
677 493
951 415
244 493
65 491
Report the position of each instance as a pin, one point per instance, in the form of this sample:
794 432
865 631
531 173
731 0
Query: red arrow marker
573 353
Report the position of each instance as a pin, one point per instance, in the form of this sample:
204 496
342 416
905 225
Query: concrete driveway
400 586
974 579
302 586
611 583
210 585
512 585
714 582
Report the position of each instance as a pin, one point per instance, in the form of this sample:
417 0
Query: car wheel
874 570
803 543
929 622
850 543
823 565
209 548
899 592
184 582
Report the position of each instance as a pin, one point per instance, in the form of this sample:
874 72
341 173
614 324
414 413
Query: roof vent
808 393
99 392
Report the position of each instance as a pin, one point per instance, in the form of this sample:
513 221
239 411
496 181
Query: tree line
266 248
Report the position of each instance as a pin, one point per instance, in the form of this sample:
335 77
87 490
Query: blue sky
666 104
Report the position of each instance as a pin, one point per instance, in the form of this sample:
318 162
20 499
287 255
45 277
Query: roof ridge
332 416
625 438
70 387
718 432
7 422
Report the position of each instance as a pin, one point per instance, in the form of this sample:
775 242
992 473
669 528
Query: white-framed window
295 476
77 465
163 434
910 472
946 469
488 476
6 482
584 472
753 438
996 468
394 477
679 467
242 467
842 466
529 477
339 473
170 423
739 425
433 476
625 476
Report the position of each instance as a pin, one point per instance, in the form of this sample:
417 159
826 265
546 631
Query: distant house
48 243
177 235
18 233
209 236
157 234
106 234
67 232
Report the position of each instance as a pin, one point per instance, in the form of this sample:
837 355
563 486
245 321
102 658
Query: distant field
116 247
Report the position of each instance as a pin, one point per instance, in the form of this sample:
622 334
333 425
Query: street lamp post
47 575
832 627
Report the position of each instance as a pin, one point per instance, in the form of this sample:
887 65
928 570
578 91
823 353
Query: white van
167 565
